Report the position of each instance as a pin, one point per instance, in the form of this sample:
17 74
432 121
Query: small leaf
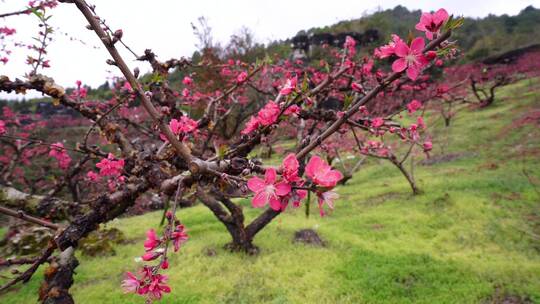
222 150
347 101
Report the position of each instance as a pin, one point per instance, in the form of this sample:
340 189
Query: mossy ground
474 232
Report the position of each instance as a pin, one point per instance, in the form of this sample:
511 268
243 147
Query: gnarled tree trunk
232 216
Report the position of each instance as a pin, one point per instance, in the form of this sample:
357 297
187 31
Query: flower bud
431 55
150 256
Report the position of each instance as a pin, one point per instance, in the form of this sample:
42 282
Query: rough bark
59 278
232 216
48 207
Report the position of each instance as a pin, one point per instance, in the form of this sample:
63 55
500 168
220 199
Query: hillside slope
473 236
478 38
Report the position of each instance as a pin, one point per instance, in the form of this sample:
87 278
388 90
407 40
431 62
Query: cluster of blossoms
414 106
188 82
2 127
4 32
110 168
182 126
411 57
269 114
80 92
350 46
59 153
289 87
42 4
431 24
149 282
292 188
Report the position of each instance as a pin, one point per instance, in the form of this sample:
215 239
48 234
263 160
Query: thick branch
181 149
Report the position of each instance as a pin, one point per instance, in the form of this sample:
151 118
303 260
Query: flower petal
275 204
256 184
270 176
260 199
417 45
401 49
420 26
315 164
283 188
441 15
399 65
413 72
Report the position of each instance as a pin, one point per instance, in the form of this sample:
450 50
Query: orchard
199 140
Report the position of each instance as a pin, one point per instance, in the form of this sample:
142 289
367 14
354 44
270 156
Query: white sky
164 26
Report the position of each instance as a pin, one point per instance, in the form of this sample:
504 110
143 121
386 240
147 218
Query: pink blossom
297 197
150 256
413 106
420 122
430 55
165 264
327 198
252 125
377 122
110 166
152 240
184 125
127 87
389 49
292 110
2 127
289 86
59 152
187 81
179 237
156 287
226 71
350 45
92 176
357 87
185 92
7 31
432 23
428 145
241 78
267 191
269 114
411 58
131 283
367 66
321 173
290 168
442 89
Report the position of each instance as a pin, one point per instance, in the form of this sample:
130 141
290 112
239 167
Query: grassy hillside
473 236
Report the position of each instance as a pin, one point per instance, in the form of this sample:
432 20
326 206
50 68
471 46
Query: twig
23 216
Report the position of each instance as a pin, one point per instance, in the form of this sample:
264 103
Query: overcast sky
164 26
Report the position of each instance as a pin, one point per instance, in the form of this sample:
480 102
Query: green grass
474 230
